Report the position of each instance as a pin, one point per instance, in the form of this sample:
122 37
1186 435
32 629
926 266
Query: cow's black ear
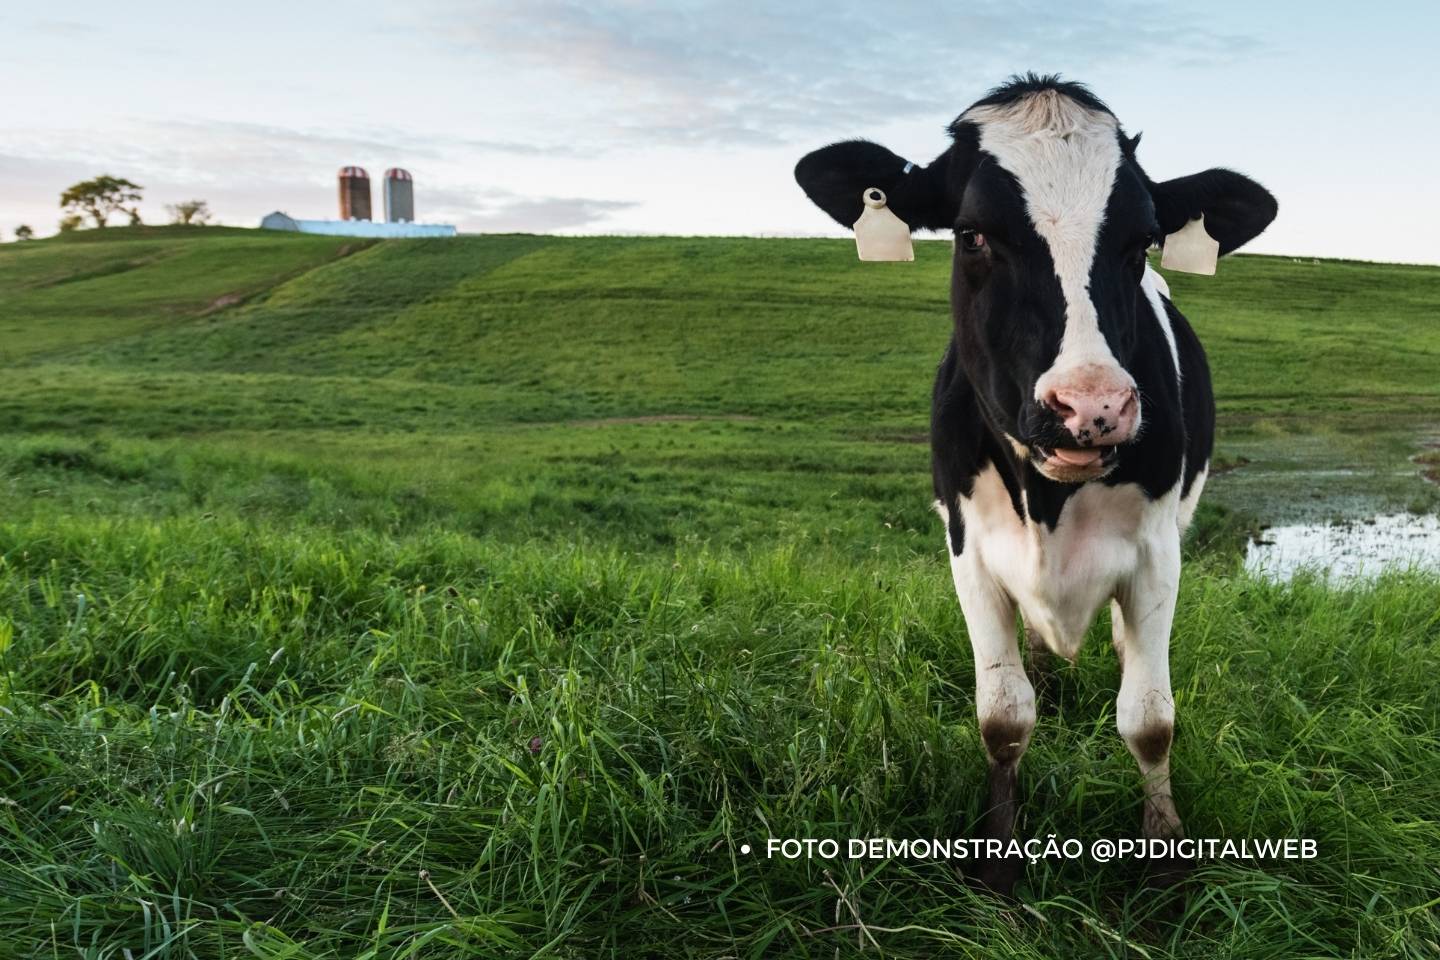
1236 208
836 176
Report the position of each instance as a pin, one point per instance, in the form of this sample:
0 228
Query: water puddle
1349 549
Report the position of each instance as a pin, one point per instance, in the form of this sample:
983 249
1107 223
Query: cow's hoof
996 876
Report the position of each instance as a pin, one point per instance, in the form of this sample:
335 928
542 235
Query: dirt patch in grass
1224 465
220 303
662 418
1429 462
893 436
105 270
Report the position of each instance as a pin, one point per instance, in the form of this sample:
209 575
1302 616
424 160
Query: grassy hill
90 287
649 388
558 568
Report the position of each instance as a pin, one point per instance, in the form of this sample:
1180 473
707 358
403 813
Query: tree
70 223
23 232
135 220
189 213
100 197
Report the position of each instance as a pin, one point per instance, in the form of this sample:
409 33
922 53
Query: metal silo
399 196
354 193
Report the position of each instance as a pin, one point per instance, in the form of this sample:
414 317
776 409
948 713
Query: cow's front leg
1004 703
1145 710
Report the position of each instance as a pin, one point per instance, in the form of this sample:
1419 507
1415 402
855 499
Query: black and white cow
1072 416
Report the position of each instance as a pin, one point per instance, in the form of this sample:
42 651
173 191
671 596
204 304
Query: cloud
230 152
496 211
751 73
64 29
544 214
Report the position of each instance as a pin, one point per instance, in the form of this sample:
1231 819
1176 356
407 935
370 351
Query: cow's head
1052 217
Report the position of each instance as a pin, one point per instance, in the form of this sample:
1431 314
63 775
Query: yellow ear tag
1191 250
879 234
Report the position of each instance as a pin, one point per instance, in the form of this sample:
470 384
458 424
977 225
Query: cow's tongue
1077 458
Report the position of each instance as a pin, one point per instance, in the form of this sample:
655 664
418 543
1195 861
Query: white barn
355 228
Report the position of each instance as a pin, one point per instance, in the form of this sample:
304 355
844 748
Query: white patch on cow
1145 707
1158 281
1191 499
1064 156
1003 693
1021 450
1151 284
944 512
1059 578
1110 544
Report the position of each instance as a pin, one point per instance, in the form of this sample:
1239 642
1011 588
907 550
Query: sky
620 116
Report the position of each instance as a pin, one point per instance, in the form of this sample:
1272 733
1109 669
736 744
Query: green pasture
482 596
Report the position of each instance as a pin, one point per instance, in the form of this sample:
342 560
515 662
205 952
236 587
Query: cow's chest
1059 578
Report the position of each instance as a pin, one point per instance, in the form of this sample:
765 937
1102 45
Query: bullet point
744 848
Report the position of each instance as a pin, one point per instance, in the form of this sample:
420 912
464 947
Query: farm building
355 228
355 210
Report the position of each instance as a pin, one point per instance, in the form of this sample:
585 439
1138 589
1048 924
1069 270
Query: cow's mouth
1076 464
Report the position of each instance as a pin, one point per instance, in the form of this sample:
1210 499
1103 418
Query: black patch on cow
836 176
1152 744
1007 306
956 450
1153 460
1197 400
1137 339
1236 209
957 529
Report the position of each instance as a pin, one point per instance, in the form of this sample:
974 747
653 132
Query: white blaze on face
1064 156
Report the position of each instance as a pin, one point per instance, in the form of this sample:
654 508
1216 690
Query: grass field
481 597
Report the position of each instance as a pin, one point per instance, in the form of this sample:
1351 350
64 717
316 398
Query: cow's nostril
1062 409
1128 407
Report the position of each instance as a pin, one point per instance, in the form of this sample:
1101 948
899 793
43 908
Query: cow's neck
1036 497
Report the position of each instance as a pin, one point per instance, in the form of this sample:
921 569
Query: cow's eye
971 240
1142 250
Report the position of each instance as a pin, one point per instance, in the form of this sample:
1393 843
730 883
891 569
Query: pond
1348 549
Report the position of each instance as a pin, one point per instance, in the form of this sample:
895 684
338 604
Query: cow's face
1051 231
1052 218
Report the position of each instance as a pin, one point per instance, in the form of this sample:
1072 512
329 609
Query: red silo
354 193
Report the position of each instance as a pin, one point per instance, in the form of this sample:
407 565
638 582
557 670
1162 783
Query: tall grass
485 597
319 743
